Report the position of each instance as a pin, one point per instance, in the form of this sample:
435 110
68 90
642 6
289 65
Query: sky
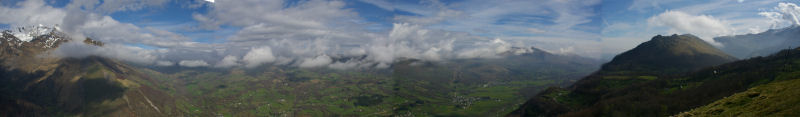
315 33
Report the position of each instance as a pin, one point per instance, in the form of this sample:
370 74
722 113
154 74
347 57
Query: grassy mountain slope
667 54
773 99
660 59
90 86
677 93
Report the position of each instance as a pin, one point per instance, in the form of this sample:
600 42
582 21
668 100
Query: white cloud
344 65
193 63
412 41
31 12
78 49
495 47
403 41
318 61
258 56
566 50
783 14
164 63
228 61
704 26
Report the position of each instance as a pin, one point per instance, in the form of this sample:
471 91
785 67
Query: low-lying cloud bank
78 49
403 41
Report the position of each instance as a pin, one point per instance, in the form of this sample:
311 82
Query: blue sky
177 18
309 33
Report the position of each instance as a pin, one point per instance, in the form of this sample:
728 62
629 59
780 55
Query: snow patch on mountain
48 35
27 33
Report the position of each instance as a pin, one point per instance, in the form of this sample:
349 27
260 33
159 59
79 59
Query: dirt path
148 101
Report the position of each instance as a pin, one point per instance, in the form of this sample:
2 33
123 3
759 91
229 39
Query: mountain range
761 44
678 75
35 83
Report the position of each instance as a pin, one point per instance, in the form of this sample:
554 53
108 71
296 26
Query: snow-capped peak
42 36
27 33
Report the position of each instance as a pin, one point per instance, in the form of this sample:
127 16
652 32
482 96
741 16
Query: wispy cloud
193 63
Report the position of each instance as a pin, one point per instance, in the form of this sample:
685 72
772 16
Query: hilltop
668 54
659 59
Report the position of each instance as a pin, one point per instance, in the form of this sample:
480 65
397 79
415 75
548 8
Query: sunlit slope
773 99
90 86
